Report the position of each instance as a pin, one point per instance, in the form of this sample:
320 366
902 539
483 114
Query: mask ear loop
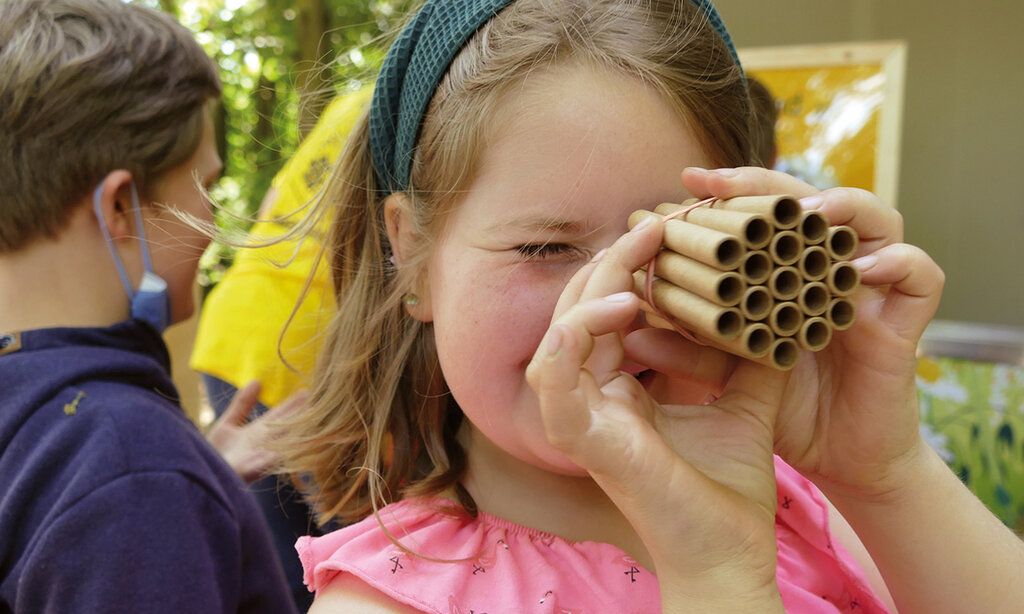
144 244
122 273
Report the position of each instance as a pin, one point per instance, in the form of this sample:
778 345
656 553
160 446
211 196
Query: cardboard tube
785 247
841 242
721 287
814 334
783 211
785 319
692 312
813 298
713 248
784 283
756 303
813 263
753 229
840 313
843 278
755 267
782 355
813 227
753 342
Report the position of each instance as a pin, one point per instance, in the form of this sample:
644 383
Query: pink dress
508 568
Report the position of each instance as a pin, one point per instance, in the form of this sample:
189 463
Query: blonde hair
90 86
381 424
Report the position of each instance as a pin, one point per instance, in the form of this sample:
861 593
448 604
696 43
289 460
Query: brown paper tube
813 263
782 355
785 247
813 227
721 287
753 229
784 283
755 267
753 342
756 303
783 211
815 334
842 279
840 313
711 247
692 312
785 319
813 298
841 242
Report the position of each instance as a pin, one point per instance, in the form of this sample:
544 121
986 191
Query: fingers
566 390
669 353
743 181
876 223
241 404
915 286
290 406
611 269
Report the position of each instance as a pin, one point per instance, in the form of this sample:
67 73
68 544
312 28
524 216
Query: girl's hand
849 417
696 482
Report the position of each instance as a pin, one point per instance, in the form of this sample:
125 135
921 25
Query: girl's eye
545 251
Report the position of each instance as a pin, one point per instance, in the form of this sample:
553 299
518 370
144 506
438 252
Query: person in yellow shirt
262 323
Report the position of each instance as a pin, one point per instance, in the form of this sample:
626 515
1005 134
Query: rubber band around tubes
649 288
649 280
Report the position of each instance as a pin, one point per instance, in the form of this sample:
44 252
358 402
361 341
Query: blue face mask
151 303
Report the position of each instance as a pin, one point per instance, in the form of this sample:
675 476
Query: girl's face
575 151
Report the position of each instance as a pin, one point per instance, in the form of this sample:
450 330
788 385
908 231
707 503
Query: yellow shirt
240 328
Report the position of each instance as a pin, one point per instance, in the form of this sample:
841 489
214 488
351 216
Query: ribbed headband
414 67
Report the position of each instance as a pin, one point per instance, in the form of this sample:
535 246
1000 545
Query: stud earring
410 299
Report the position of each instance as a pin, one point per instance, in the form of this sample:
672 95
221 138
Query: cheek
487 331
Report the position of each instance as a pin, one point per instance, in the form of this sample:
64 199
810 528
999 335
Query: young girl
491 408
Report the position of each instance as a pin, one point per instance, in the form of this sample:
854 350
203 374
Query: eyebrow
541 223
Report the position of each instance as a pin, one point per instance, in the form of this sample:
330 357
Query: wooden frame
890 59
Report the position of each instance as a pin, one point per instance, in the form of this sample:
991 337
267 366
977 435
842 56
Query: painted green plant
973 414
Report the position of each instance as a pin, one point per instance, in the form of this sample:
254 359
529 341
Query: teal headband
414 67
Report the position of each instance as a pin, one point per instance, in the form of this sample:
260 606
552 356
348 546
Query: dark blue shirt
110 498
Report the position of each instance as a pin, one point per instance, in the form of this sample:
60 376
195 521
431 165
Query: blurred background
956 179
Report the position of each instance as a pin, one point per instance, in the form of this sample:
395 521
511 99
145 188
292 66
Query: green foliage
280 62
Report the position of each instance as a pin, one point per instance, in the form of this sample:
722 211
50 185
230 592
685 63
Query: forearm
938 548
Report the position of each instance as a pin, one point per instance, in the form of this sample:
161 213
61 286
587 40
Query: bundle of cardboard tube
755 276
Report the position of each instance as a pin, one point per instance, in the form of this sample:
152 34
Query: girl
491 407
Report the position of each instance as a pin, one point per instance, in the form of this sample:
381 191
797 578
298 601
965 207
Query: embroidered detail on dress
397 563
455 608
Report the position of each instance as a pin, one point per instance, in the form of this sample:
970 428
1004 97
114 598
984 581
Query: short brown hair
90 86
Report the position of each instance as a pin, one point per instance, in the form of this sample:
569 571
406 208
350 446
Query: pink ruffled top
515 569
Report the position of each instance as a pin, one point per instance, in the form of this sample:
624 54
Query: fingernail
599 255
812 202
697 169
620 297
726 172
865 262
644 223
553 342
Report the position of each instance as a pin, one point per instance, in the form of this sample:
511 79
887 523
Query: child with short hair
492 409
110 499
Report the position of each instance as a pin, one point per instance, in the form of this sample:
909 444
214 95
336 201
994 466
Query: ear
115 204
398 221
